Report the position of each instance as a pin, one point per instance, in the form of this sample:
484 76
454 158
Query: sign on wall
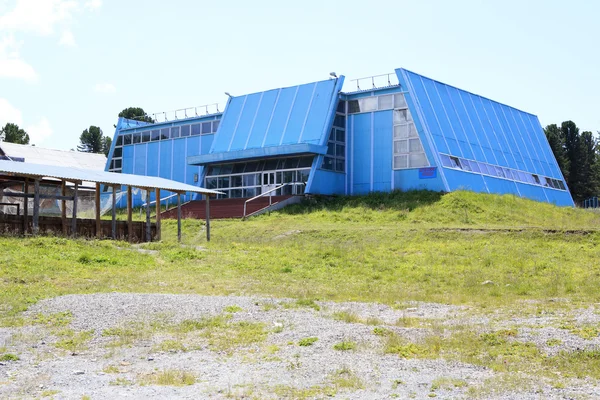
428 173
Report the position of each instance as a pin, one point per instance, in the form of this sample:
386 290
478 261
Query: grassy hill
388 248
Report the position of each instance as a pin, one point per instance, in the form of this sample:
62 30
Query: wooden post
129 211
114 213
74 218
148 225
97 201
26 207
36 207
208 218
158 233
63 205
179 217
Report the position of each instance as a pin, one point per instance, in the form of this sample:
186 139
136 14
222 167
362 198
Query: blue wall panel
166 158
558 197
408 179
361 153
179 163
139 166
128 160
327 182
460 180
152 160
206 143
532 192
430 121
500 186
382 151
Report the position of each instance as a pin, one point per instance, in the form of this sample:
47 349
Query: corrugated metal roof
291 115
107 178
40 155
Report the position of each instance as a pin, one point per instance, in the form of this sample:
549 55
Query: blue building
412 132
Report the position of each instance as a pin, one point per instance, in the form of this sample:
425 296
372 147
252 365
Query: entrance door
268 182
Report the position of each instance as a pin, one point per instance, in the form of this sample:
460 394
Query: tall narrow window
335 160
408 149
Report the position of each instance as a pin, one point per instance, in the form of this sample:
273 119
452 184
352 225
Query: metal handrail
266 193
392 80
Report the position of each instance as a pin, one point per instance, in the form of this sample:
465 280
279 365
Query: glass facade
335 160
249 179
408 149
497 171
153 134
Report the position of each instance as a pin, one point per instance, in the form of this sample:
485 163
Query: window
185 130
407 147
206 128
174 132
386 102
145 136
136 137
164 133
155 135
119 141
195 129
127 139
335 160
215 125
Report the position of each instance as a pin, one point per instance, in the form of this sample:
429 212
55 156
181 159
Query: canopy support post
74 219
26 208
158 232
63 205
208 218
36 207
179 217
129 219
98 223
114 213
148 225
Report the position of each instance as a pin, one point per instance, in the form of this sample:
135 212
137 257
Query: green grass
9 357
345 346
169 377
309 341
391 248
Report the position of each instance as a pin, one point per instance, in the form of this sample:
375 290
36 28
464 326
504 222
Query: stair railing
266 193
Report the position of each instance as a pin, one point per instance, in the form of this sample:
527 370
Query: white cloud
38 16
8 113
39 131
105 88
67 39
11 63
93 4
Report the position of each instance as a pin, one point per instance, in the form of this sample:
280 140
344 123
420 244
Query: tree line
91 140
578 156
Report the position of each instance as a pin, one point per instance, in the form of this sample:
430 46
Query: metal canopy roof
103 177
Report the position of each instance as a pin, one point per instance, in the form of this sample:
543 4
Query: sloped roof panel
286 116
103 177
464 124
40 155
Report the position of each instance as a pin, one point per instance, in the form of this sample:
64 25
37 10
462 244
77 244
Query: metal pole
208 218
26 207
97 206
63 212
148 226
179 217
114 213
74 219
129 211
36 207
158 233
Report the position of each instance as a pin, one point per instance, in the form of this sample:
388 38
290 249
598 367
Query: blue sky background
68 64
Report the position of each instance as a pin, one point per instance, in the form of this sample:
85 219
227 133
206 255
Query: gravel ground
272 368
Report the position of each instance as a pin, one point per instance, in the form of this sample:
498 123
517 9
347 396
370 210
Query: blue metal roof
467 125
279 117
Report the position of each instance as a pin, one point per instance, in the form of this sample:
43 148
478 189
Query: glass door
268 182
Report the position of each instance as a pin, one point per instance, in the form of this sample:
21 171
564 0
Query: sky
69 64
